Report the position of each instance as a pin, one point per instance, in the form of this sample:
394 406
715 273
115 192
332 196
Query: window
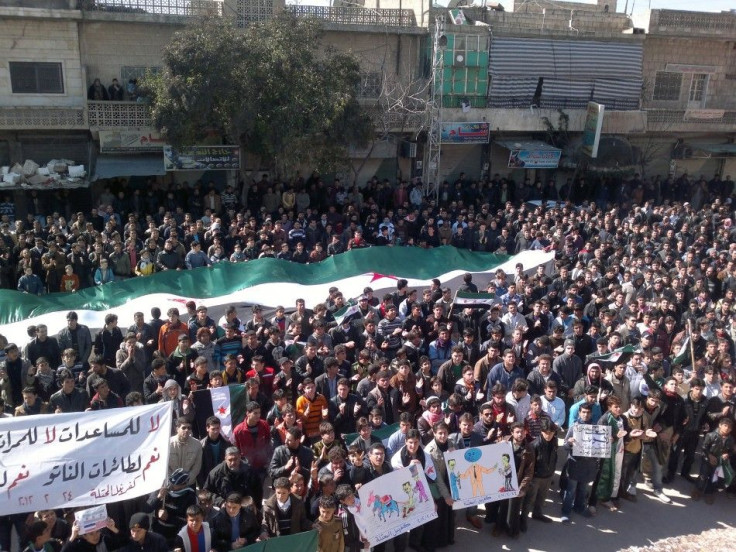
698 86
36 78
370 85
667 86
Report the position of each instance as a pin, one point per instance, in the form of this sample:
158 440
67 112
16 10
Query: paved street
637 524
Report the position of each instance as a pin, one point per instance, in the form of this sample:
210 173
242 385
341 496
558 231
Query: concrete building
667 93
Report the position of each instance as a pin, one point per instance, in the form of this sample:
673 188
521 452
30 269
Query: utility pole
433 160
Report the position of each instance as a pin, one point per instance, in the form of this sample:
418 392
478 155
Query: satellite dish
460 58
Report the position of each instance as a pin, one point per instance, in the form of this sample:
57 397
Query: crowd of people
633 328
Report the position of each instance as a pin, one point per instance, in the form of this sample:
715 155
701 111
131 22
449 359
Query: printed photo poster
393 504
592 441
481 474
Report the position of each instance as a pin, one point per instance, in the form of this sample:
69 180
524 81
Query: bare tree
401 102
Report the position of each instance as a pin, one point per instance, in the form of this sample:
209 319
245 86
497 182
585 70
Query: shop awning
112 166
717 150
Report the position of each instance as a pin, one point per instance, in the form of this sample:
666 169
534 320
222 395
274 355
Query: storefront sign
465 133
134 141
534 159
202 158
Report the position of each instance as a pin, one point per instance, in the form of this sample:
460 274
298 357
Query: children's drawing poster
395 503
481 474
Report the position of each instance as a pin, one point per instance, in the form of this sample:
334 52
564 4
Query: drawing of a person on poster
505 470
408 506
475 472
455 481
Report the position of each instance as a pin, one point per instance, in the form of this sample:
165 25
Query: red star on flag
221 410
377 276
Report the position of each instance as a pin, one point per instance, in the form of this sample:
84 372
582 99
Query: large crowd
633 329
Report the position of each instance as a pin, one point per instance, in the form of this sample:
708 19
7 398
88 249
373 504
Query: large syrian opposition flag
268 282
383 434
227 403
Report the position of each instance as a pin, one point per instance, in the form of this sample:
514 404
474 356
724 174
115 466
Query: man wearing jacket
545 461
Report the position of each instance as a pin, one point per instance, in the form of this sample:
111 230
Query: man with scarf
31 403
169 505
595 377
422 538
608 482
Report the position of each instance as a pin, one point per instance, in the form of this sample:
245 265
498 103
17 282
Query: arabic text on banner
481 474
593 441
83 459
394 503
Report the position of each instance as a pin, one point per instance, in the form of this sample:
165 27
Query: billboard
465 133
202 158
592 129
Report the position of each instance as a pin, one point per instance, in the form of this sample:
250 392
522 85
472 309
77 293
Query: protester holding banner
445 523
580 471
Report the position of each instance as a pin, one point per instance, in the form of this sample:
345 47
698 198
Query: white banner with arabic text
53 461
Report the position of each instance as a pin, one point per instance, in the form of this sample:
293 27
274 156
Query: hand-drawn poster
394 503
593 441
481 474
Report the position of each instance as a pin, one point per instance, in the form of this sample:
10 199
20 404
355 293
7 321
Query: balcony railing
675 22
31 118
666 120
184 8
117 115
357 16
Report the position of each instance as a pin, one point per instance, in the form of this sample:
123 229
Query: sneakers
662 497
631 490
628 496
609 505
565 520
591 512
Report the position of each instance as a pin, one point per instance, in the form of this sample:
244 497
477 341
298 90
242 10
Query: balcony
49 118
117 115
691 120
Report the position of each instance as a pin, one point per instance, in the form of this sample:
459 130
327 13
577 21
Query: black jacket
249 528
222 481
545 453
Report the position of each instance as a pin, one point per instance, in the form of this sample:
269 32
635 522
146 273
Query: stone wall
717 55
107 46
41 40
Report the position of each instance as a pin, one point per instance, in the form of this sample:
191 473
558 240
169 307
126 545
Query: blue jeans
649 451
574 497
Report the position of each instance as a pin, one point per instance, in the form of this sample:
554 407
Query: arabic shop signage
73 460
534 159
465 133
202 158
130 140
